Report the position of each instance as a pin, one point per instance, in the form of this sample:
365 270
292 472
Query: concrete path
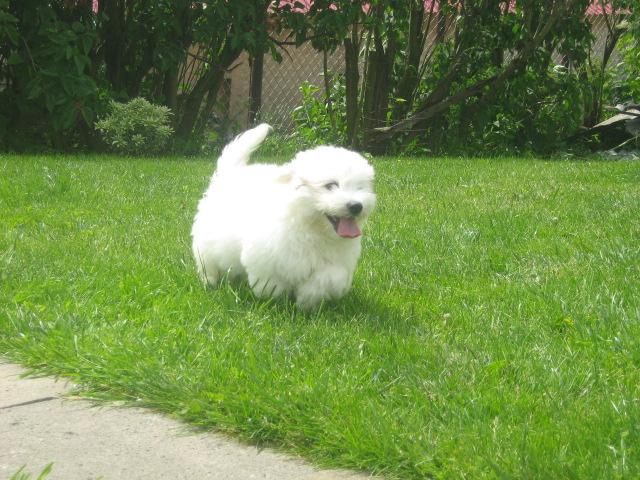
38 426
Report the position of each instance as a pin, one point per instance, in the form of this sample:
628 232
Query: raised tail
237 153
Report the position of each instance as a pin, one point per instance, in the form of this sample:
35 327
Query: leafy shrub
136 128
624 82
47 94
317 122
535 112
281 144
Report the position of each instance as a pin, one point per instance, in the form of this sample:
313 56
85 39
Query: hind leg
207 269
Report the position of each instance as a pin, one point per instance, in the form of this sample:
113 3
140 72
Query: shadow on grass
356 307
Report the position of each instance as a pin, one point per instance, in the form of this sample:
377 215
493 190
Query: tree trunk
113 40
194 116
170 89
255 89
212 98
377 83
352 79
595 109
414 49
327 89
257 69
192 105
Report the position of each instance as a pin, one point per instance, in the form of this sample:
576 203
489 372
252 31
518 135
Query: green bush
533 112
316 122
624 82
136 128
48 98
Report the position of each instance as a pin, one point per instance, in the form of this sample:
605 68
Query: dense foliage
46 84
316 118
420 76
61 62
495 76
623 83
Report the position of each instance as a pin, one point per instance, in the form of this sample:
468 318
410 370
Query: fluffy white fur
292 229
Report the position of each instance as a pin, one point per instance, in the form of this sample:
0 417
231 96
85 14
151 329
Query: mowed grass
493 329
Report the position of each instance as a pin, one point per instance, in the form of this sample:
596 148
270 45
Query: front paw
266 288
328 284
308 302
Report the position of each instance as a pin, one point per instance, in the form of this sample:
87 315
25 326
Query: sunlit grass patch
493 329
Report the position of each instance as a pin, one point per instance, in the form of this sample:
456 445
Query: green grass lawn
493 329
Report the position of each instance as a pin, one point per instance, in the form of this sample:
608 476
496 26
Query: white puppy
291 229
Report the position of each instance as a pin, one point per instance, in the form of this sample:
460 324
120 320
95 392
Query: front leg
266 287
329 283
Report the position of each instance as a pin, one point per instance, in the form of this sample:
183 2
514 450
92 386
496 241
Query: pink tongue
348 228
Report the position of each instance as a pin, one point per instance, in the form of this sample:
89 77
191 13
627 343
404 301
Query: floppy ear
289 176
285 175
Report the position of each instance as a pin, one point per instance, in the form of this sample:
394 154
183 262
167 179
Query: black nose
354 207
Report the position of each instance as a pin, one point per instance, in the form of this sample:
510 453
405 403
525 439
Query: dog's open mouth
346 227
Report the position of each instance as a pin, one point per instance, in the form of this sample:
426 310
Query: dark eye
331 185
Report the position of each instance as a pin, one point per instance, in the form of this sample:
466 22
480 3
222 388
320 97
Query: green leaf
67 84
68 115
80 64
49 102
34 90
14 59
87 114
